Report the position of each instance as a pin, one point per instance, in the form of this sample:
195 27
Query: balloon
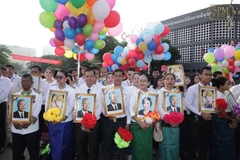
159 49
147 52
165 46
94 36
57 42
117 30
52 42
72 22
111 3
123 61
58 24
145 68
231 68
65 24
59 35
62 1
131 61
159 28
218 54
100 10
104 31
133 38
224 46
52 29
112 19
167 56
76 11
65 18
147 59
139 40
140 63
91 2
151 45
142 46
104 64
69 43
225 70
82 20
211 50
114 67
225 63
75 49
110 63
115 57
61 12
214 66
107 57
59 51
209 58
69 33
78 30
147 38
118 50
231 61
68 54
237 55
99 44
80 39
102 36
90 19
165 31
94 51
89 44
89 56
77 3
150 28
81 58
98 26
49 5
158 57
237 63
229 51
87 30
47 19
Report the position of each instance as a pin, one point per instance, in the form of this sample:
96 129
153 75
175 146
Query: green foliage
5 52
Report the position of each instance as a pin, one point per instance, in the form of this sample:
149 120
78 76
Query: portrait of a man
147 104
114 105
85 108
173 107
21 113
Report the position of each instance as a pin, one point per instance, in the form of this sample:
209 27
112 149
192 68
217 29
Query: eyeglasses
59 77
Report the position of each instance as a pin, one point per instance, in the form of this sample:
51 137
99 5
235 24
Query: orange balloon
52 29
91 2
90 17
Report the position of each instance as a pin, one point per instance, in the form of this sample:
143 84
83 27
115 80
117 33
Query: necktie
174 109
116 108
88 90
21 115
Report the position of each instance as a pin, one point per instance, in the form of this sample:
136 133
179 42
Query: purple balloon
219 54
72 22
65 18
82 20
59 35
52 43
58 24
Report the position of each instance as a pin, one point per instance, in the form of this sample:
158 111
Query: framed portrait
173 101
231 101
21 108
146 103
84 103
207 99
36 82
113 101
57 99
178 71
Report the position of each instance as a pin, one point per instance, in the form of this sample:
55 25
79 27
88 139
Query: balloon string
79 65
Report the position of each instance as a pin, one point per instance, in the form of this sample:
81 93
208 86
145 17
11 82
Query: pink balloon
94 36
115 31
224 46
61 12
52 43
229 51
98 26
133 38
89 56
111 3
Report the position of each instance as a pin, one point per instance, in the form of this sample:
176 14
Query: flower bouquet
123 137
53 115
221 106
152 117
89 120
173 118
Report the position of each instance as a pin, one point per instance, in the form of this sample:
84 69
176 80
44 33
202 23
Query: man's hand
85 129
127 126
206 116
144 125
17 125
26 125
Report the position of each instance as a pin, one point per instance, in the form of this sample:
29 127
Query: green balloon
47 19
213 70
78 3
87 30
214 66
225 70
209 58
49 5
99 44
237 49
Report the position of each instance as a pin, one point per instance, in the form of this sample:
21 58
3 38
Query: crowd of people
201 136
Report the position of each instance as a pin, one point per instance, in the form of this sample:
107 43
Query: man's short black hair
205 68
131 69
28 76
215 74
94 68
84 65
38 67
10 66
118 70
90 70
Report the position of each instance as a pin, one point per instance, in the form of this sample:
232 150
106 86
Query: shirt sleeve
44 91
160 104
37 105
129 117
189 101
99 103
70 102
6 90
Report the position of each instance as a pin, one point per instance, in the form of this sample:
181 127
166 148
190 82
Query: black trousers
109 130
3 107
41 122
20 142
87 144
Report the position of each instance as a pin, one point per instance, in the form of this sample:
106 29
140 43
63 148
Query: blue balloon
140 64
69 33
78 30
118 50
211 50
115 66
126 50
119 59
151 45
94 51
165 46
167 56
102 36
142 33
147 52
75 49
124 54
114 57
147 59
62 1
109 69
89 44
139 40
159 28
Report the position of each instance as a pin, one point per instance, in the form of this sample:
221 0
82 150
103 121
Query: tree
5 52
18 67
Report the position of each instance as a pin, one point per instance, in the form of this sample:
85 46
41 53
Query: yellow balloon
123 61
104 31
143 46
237 55
75 56
68 54
76 11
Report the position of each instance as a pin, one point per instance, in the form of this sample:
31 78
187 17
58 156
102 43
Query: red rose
125 134
173 118
89 120
221 106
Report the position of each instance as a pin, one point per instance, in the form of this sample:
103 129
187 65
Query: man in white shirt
128 82
79 80
84 137
25 135
200 127
5 88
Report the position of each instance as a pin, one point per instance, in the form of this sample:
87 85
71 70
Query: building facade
194 33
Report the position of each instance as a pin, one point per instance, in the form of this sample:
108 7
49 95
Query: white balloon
158 57
69 43
65 24
147 38
237 63
100 10
225 63
131 46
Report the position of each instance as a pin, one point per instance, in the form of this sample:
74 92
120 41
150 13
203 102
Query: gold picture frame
231 101
57 99
113 94
207 99
172 99
21 109
81 100
143 102
178 71
36 82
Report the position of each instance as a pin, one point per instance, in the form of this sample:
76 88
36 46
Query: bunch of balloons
80 26
225 59
142 48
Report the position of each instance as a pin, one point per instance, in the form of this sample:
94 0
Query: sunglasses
59 77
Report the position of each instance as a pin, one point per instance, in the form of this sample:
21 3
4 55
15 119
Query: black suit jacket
80 113
16 115
169 109
110 107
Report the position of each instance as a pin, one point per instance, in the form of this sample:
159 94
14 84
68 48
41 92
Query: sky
20 18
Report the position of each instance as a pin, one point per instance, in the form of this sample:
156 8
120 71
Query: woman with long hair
49 76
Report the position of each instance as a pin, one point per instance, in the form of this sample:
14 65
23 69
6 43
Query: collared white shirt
94 89
36 108
129 92
224 96
126 83
44 87
5 88
70 101
161 100
54 82
16 83
80 81
236 92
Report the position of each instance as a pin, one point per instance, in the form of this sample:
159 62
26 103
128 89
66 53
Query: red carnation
89 120
173 118
221 106
125 134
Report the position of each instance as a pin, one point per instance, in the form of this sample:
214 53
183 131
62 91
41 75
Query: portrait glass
173 101
207 99
36 82
231 101
113 101
21 108
84 103
178 71
57 99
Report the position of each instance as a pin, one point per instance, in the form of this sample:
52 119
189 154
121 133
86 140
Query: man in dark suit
21 113
114 105
85 108
173 104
